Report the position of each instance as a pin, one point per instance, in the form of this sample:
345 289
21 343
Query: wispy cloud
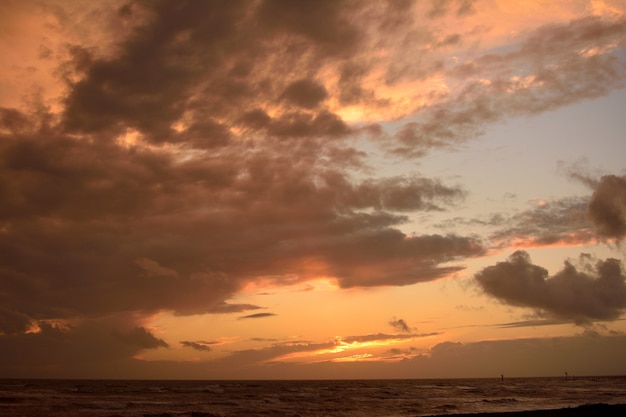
385 337
400 325
531 323
256 316
199 345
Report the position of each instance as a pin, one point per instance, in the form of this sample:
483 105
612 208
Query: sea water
342 398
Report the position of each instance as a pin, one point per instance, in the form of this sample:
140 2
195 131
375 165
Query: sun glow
130 138
289 283
368 349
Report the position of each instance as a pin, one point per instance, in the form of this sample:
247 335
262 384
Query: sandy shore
592 410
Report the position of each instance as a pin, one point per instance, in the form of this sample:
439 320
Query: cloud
12 322
400 325
372 259
227 308
81 349
98 186
146 85
531 323
548 356
441 7
305 93
469 308
487 359
256 316
585 293
304 125
558 222
184 150
607 208
326 25
266 358
199 345
142 338
185 234
570 62
383 337
566 221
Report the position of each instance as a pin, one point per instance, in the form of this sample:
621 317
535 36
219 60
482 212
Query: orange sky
323 189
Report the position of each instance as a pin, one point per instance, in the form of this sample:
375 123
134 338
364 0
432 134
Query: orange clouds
166 156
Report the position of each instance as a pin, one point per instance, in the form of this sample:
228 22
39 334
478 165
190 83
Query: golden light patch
597 50
35 327
289 283
522 83
606 8
129 139
337 352
180 126
354 358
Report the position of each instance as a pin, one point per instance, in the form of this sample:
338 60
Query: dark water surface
391 398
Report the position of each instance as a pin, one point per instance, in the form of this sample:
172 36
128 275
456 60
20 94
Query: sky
277 189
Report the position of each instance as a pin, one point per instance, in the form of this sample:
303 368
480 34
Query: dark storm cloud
400 325
90 227
147 85
196 60
591 291
77 349
256 316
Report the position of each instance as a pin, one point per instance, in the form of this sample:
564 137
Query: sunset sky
312 189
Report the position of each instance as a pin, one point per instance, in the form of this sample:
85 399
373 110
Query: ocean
342 398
